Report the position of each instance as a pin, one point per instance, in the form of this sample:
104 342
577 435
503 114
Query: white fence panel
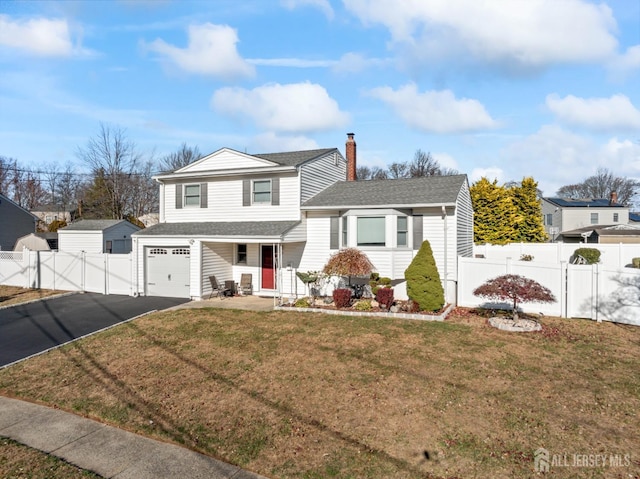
95 280
581 292
619 296
549 275
12 269
120 274
98 273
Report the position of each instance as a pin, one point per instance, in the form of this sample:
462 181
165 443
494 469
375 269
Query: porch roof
236 230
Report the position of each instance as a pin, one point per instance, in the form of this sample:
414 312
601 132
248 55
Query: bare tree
363 173
112 157
180 158
423 164
398 170
7 170
601 185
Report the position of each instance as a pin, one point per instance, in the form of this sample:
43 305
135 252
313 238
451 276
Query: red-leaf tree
348 262
515 288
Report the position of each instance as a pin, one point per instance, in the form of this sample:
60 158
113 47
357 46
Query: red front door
268 269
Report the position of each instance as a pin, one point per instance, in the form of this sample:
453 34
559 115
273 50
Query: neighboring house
97 236
562 217
272 215
15 222
634 218
50 213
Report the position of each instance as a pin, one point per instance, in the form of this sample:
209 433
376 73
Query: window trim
594 218
345 231
253 192
186 187
616 218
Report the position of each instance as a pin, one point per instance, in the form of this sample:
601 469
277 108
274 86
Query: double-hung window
549 218
615 217
192 195
262 191
241 254
402 232
345 231
594 218
371 231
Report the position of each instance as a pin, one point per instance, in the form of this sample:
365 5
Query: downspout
446 258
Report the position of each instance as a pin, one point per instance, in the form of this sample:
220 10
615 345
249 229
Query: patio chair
216 288
245 283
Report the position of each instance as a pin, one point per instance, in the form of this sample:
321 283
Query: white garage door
167 271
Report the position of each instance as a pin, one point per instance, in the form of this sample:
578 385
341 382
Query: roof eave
399 205
224 173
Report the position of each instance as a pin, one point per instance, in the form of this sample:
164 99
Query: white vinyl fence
582 291
611 255
91 272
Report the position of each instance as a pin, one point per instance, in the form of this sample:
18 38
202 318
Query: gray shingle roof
294 158
92 225
399 192
244 229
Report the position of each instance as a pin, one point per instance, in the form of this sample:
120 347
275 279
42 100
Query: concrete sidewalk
249 302
105 450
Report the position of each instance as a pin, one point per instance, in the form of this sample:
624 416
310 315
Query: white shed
97 236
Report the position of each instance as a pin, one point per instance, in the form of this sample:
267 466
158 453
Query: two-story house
272 215
15 222
572 220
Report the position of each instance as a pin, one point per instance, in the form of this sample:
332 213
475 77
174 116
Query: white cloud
268 142
605 114
525 34
296 107
355 63
491 173
38 36
446 160
322 5
291 62
211 51
626 63
435 111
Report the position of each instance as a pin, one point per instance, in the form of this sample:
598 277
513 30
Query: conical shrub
423 280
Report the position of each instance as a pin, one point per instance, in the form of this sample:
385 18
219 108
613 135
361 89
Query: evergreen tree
494 214
423 280
529 228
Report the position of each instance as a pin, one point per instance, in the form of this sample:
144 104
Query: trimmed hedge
635 262
384 296
342 297
592 255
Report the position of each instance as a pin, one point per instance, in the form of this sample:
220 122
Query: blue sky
502 88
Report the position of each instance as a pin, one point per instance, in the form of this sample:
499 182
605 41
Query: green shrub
55 225
303 303
423 280
363 305
635 262
342 297
378 282
526 257
374 276
592 255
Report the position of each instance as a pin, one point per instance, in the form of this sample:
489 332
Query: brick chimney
350 150
613 199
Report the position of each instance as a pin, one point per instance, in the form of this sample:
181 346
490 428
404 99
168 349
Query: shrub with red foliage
515 288
342 298
384 296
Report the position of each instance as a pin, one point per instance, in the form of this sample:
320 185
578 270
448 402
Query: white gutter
377 206
224 173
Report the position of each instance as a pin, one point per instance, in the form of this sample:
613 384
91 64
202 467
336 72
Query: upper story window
262 191
594 218
371 231
402 232
615 217
548 219
192 195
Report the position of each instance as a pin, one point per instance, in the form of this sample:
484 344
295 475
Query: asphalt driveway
27 329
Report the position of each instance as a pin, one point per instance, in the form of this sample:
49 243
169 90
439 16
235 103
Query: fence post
564 278
596 296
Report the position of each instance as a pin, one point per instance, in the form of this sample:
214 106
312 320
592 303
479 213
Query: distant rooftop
583 202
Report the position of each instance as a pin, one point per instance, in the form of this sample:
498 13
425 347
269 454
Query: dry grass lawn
297 395
12 295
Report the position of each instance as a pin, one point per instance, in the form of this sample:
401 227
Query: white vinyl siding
318 174
225 203
226 159
463 224
76 241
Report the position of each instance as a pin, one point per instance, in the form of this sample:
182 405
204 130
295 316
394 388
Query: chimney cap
350 135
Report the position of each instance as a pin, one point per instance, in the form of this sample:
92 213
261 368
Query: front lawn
288 394
12 295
